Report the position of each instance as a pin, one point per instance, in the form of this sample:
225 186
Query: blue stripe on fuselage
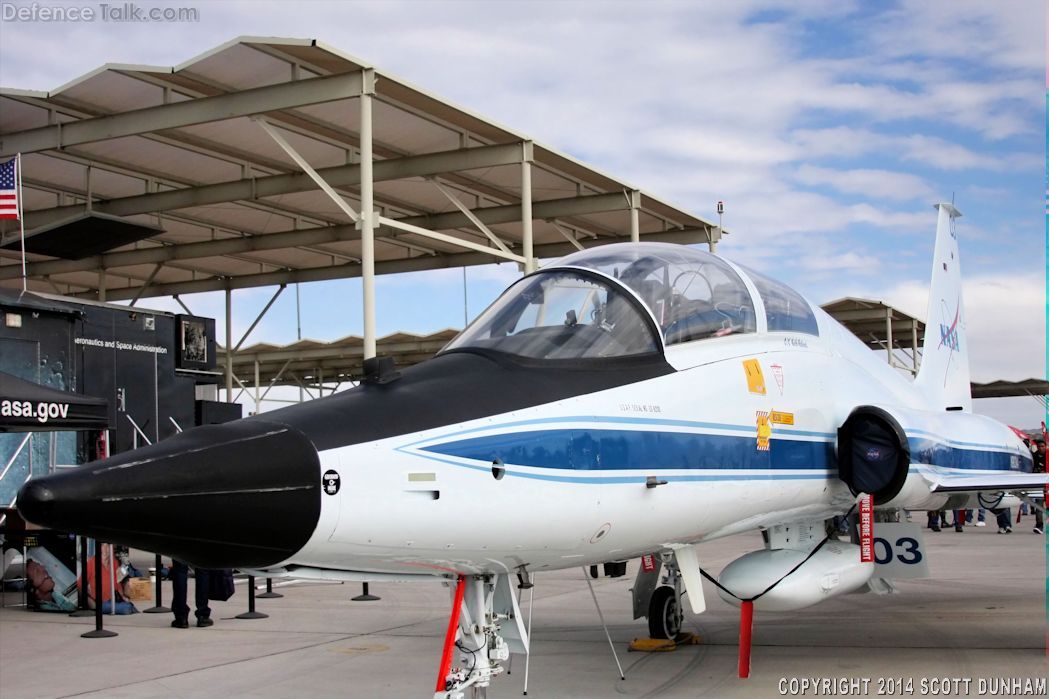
597 450
937 453
583 449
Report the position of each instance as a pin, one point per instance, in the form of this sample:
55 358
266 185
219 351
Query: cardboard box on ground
139 589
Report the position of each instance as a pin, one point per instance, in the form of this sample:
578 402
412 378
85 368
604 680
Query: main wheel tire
664 619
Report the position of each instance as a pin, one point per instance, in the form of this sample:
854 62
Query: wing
990 481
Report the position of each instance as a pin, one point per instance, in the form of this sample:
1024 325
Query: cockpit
626 300
692 295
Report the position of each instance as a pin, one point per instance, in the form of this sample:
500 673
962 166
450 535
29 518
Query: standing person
1005 524
934 520
179 593
1039 467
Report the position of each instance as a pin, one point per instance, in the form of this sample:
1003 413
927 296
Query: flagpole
21 218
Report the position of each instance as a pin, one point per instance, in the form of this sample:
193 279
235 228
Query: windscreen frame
612 284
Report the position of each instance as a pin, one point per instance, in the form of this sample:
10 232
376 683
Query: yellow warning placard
764 430
755 379
782 418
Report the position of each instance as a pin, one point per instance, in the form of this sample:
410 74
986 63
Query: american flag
9 189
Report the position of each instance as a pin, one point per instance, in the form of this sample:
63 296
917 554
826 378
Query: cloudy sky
828 128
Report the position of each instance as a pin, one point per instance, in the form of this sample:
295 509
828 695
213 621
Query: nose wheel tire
664 616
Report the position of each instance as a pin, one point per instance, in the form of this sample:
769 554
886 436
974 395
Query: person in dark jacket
1039 467
179 593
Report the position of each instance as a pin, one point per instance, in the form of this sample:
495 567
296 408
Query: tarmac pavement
981 616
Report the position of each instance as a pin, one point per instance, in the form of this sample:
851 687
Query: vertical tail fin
944 374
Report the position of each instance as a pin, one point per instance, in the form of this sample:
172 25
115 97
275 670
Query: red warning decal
867 529
648 563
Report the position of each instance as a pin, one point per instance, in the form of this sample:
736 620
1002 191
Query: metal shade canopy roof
1005 389
210 154
875 322
882 327
310 363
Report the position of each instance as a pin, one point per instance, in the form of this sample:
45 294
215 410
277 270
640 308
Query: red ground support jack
746 625
450 634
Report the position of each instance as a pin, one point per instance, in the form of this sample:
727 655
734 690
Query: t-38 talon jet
628 400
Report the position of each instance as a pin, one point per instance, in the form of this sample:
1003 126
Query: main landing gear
485 627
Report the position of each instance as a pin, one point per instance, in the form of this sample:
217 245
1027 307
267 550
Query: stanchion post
366 596
98 631
159 607
269 593
251 613
81 595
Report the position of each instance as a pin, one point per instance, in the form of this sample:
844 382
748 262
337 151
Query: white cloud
846 142
880 184
1005 34
901 220
851 262
719 145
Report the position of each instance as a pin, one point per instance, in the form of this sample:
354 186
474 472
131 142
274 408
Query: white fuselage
428 502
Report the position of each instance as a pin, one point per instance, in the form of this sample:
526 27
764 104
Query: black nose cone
35 501
245 494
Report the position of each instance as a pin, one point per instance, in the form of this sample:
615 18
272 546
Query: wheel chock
664 645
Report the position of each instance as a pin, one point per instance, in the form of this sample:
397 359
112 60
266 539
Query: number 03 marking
906 549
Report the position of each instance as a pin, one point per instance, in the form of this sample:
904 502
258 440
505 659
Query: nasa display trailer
145 364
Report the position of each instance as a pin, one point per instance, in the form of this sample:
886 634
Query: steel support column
367 219
229 344
914 346
635 220
526 207
888 334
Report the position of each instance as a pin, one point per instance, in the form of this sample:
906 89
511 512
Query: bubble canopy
580 307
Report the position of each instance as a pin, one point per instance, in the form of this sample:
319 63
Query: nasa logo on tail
949 332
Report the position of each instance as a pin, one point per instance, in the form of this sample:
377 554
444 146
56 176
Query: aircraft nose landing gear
664 613
659 598
664 608
657 595
485 626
